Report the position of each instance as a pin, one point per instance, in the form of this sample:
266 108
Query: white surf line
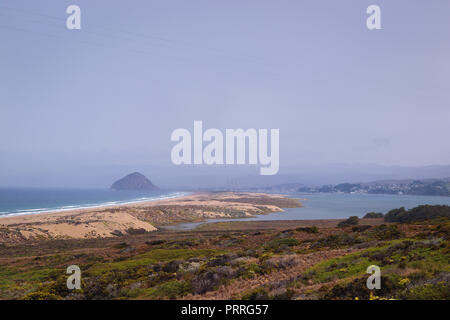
94 206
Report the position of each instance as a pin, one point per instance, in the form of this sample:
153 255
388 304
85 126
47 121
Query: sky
111 93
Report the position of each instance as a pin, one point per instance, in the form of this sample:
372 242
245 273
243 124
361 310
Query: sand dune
138 217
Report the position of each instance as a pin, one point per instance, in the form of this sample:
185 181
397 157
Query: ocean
336 206
20 201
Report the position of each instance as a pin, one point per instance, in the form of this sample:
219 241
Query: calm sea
26 201
336 206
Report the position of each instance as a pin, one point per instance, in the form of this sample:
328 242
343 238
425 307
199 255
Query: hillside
239 260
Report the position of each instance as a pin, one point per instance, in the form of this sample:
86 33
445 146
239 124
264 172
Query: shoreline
139 217
105 205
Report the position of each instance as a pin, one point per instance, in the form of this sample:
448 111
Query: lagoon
335 206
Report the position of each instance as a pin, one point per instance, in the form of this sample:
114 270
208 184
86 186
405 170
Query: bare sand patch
110 221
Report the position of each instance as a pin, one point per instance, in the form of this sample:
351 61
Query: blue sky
112 93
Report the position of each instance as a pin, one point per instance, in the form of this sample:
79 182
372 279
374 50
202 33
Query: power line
96 44
5 27
60 29
151 38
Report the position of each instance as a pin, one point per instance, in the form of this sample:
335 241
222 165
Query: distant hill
134 181
205 177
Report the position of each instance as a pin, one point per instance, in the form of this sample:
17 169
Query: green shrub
204 282
290 242
360 228
285 295
168 290
312 229
256 294
438 291
121 245
385 232
357 288
39 295
337 241
373 215
352 221
419 213
281 244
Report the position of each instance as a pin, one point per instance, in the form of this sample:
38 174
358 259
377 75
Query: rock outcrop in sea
134 181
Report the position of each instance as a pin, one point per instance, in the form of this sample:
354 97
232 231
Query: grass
15 280
167 290
339 268
389 255
159 266
427 260
439 291
152 257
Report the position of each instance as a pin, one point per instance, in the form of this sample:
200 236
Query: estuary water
336 206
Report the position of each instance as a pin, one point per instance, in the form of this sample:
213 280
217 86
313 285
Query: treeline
420 213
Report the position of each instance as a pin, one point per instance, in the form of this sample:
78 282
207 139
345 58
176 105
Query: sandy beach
117 220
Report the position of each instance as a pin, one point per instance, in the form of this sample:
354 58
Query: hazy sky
112 93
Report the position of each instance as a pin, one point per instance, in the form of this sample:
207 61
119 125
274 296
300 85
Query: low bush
256 294
385 232
337 241
204 282
360 228
429 291
312 229
352 221
39 295
357 288
281 245
373 215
